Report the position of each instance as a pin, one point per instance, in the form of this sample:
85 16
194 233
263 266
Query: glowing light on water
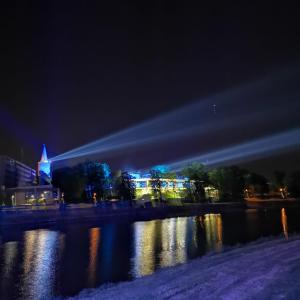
94 245
284 223
165 238
40 258
213 232
173 239
144 246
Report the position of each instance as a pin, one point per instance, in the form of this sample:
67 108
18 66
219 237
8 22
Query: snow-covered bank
263 270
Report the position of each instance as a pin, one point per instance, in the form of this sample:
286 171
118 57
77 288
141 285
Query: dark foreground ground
268 269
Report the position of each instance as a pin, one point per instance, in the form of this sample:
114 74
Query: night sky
74 71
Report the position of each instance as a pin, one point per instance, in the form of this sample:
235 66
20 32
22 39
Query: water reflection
168 242
40 255
43 264
213 232
144 243
94 245
173 232
284 223
10 251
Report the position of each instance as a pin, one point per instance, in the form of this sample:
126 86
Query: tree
125 186
229 181
171 176
293 184
280 183
156 183
279 179
96 181
2 195
83 180
198 178
71 182
256 183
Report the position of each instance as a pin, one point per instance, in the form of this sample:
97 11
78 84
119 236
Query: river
61 261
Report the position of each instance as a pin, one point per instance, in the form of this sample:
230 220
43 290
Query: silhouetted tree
71 182
279 179
256 183
293 184
82 181
156 183
279 183
171 176
198 178
125 186
2 195
96 181
229 181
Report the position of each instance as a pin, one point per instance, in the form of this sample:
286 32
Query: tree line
89 180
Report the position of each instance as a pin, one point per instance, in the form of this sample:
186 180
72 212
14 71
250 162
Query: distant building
171 188
15 174
32 195
18 182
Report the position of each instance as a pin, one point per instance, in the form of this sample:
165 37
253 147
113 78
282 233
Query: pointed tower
44 168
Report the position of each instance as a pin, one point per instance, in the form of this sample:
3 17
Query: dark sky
74 71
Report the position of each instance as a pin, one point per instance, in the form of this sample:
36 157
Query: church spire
44 157
44 168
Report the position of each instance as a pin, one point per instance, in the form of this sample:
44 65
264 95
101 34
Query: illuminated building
29 193
44 168
170 188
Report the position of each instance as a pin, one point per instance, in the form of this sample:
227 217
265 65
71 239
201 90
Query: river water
63 260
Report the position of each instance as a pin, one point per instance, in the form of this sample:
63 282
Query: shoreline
265 269
41 216
47 217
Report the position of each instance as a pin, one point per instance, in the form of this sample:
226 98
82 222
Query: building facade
175 188
33 195
15 174
21 185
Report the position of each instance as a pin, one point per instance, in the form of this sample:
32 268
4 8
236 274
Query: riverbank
272 203
45 216
267 269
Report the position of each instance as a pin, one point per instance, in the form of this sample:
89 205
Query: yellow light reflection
144 244
181 230
94 246
168 242
213 232
160 242
284 223
174 235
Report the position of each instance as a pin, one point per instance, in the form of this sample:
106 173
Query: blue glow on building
135 175
161 168
106 170
44 167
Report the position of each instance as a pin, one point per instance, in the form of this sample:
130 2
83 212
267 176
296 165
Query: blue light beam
259 148
260 106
